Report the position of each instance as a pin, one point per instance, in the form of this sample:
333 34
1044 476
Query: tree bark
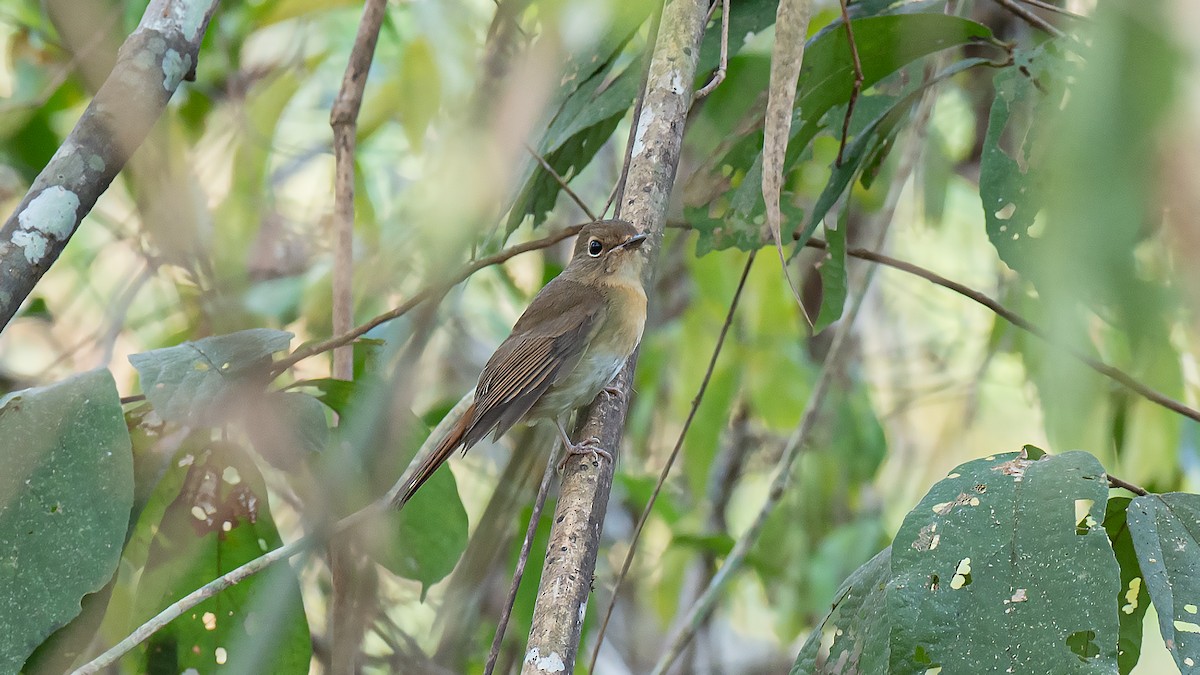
160 54
567 573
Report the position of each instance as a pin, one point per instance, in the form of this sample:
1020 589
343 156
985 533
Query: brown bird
567 347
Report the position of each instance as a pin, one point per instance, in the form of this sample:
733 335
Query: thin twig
1116 374
858 81
431 291
562 182
187 602
538 504
343 118
719 76
1113 481
1054 8
1030 18
666 470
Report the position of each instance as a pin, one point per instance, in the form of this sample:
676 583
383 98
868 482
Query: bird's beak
633 242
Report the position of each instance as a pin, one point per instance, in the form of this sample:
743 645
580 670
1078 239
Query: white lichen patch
175 66
51 214
550 663
639 139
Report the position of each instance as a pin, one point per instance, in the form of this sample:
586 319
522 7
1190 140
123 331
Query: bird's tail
431 462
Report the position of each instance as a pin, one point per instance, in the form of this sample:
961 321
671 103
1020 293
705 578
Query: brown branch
1113 481
666 470
152 62
858 82
562 182
432 291
655 148
1055 8
722 66
1117 375
1030 18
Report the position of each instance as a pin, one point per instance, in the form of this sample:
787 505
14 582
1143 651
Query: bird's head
608 251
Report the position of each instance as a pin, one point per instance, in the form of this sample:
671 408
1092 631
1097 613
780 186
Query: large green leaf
430 533
1166 535
66 489
1133 601
858 622
1005 567
193 383
220 520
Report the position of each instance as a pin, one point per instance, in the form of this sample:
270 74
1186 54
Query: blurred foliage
1042 176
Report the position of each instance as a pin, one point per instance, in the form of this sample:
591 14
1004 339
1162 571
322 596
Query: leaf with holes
218 521
66 489
1132 601
1166 535
859 626
1009 177
193 383
1004 566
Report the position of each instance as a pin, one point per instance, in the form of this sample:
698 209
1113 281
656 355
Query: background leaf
1166 534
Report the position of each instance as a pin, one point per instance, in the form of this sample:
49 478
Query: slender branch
1055 8
657 141
856 89
662 477
562 182
1113 481
1030 18
1117 375
723 65
343 118
431 291
538 504
152 62
231 578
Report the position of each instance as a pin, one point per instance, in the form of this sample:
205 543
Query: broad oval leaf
859 625
66 490
192 383
1004 566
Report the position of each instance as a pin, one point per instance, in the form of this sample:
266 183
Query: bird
565 349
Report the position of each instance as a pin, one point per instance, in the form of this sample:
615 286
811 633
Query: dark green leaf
193 383
858 622
430 533
1166 535
286 427
66 489
219 521
833 277
1132 599
1005 567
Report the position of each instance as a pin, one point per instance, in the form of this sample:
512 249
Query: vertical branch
353 578
856 88
344 120
583 497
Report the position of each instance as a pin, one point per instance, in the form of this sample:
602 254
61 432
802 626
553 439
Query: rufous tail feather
435 459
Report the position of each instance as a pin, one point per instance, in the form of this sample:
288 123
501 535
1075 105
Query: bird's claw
612 391
589 446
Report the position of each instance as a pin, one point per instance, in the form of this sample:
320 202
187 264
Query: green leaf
337 394
430 533
1005 567
1166 535
193 383
1132 600
66 490
833 277
286 427
858 623
219 520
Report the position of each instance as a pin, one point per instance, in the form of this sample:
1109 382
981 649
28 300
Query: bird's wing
545 346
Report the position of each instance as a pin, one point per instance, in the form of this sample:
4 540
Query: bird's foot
589 446
613 391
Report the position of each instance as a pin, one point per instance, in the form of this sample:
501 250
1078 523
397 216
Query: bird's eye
594 248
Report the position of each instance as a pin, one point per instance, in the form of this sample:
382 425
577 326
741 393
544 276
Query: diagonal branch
160 54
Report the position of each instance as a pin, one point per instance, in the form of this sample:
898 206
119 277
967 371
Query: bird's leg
613 391
589 446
